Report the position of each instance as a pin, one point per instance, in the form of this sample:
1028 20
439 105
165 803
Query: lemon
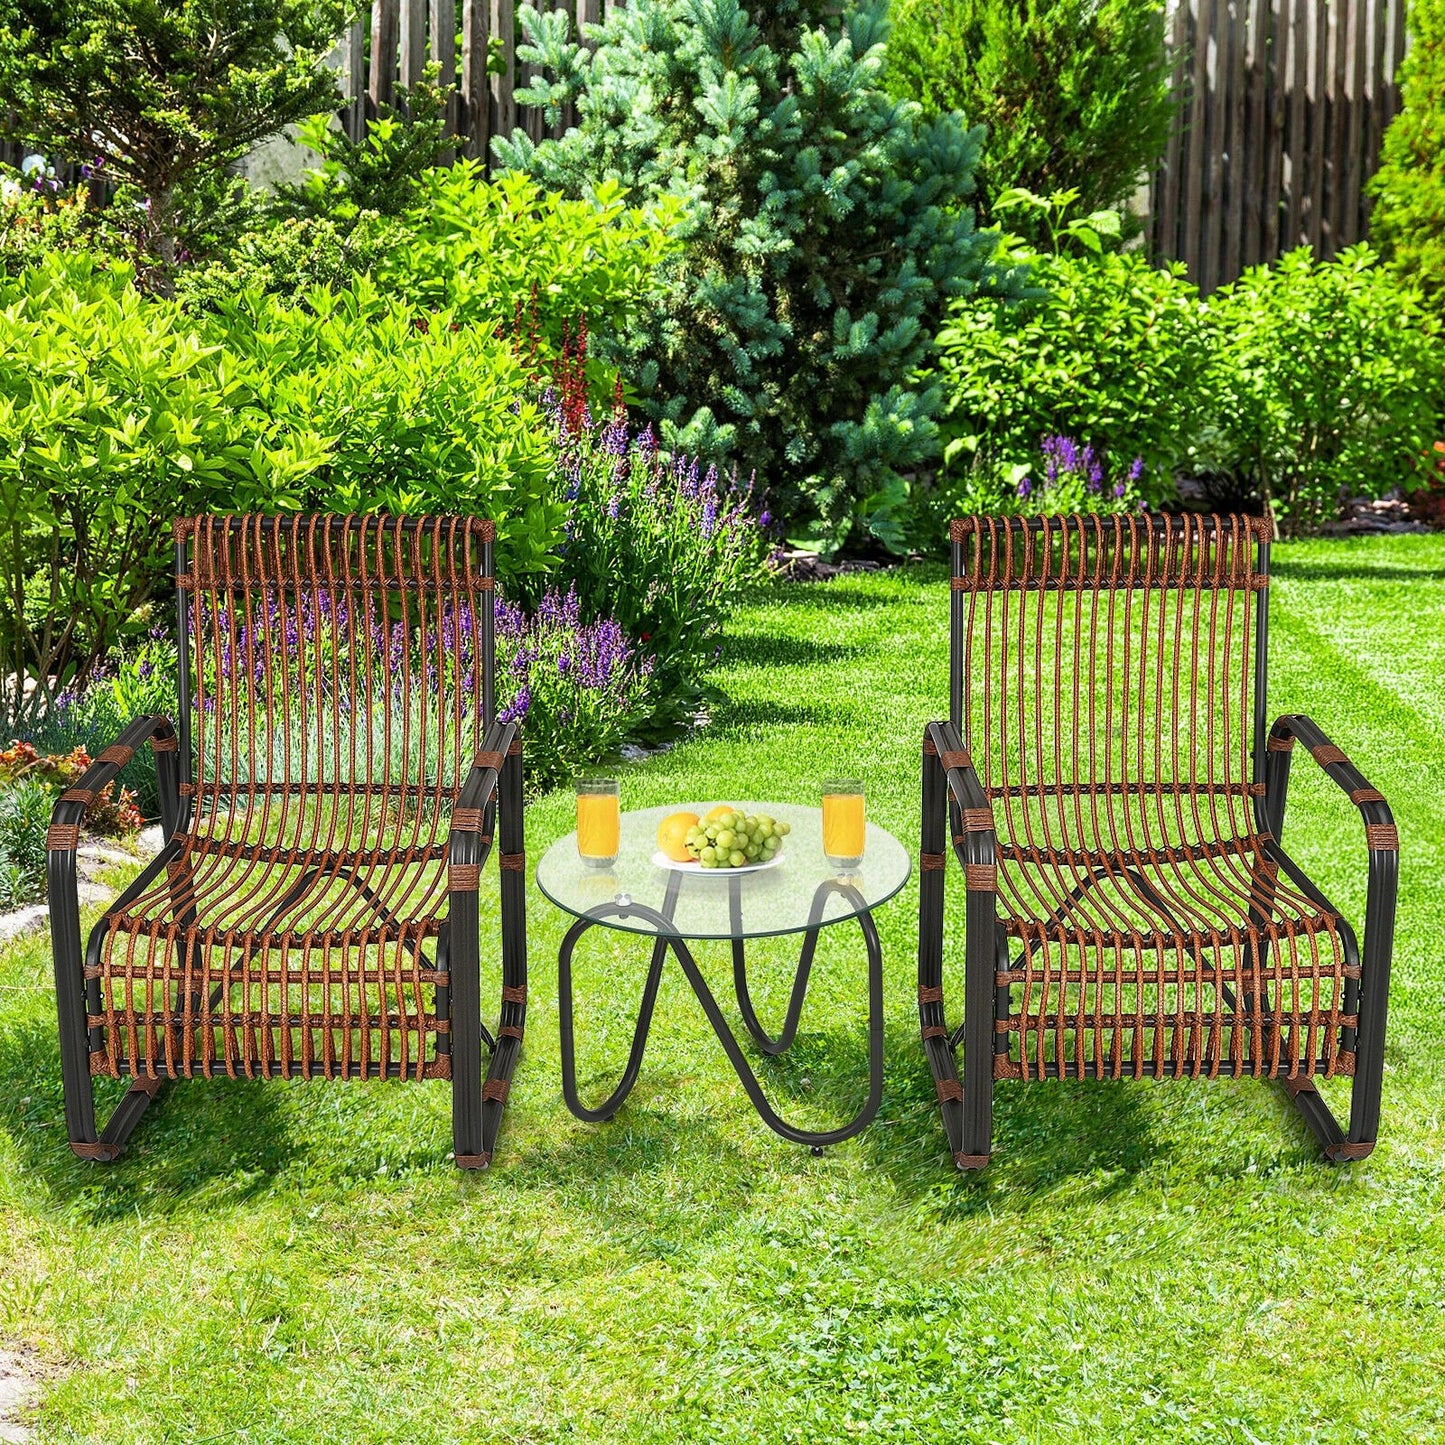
672 836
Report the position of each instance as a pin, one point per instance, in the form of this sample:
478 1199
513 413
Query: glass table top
789 896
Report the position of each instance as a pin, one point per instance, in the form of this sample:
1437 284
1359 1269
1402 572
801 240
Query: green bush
383 171
1407 224
166 96
355 403
119 412
825 224
1112 352
287 256
1329 380
25 810
115 416
1075 93
487 253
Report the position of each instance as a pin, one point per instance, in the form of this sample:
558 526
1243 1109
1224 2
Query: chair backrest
1108 675
328 655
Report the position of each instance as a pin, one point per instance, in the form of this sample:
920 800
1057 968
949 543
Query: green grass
299 1263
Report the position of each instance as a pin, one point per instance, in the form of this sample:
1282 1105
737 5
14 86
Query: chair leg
478 1115
86 1142
965 1104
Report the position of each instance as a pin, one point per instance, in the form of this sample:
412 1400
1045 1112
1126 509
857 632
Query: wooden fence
403 36
1283 104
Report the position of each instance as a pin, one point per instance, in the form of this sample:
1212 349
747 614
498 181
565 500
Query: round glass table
800 892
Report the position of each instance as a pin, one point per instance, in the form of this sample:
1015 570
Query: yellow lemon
723 810
672 836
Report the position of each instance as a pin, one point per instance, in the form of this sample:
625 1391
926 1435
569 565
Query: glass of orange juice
599 821
843 830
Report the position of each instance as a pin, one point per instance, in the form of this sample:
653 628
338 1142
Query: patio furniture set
338 778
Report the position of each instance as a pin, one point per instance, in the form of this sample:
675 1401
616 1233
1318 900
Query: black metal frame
966 1103
668 938
492 792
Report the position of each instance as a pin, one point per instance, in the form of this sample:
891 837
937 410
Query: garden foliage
1111 351
1301 385
1075 93
666 546
114 417
166 96
488 253
1330 381
825 224
1408 220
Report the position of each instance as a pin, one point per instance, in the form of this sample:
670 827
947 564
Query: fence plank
474 124
1257 132
442 43
412 41
385 37
1355 210
1196 137
353 81
504 105
1167 190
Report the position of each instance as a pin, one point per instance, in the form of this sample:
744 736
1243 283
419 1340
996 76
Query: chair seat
1191 960
251 959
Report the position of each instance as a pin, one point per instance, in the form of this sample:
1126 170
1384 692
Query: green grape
783 829
725 838
752 850
737 859
707 855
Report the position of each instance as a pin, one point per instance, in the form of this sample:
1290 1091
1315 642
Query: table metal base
623 907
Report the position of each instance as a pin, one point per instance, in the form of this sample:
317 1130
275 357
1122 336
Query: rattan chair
1116 799
328 798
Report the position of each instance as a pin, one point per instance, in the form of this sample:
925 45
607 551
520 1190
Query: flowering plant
1074 478
662 546
580 688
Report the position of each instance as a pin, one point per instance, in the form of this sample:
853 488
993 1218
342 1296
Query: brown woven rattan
1130 911
338 779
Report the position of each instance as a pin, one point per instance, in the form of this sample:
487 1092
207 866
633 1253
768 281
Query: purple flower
1025 486
615 438
517 709
1136 469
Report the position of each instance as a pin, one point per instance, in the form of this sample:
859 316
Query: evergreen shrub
1074 93
824 225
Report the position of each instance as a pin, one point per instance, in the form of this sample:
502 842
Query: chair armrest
469 841
63 838
64 835
975 835
1381 835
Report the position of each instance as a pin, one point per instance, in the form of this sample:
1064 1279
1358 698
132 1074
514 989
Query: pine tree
825 224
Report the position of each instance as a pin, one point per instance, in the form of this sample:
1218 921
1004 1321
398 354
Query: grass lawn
280 1262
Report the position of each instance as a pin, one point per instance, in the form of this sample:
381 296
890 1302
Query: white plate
661 860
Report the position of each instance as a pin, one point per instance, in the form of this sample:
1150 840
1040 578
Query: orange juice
843 830
599 826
